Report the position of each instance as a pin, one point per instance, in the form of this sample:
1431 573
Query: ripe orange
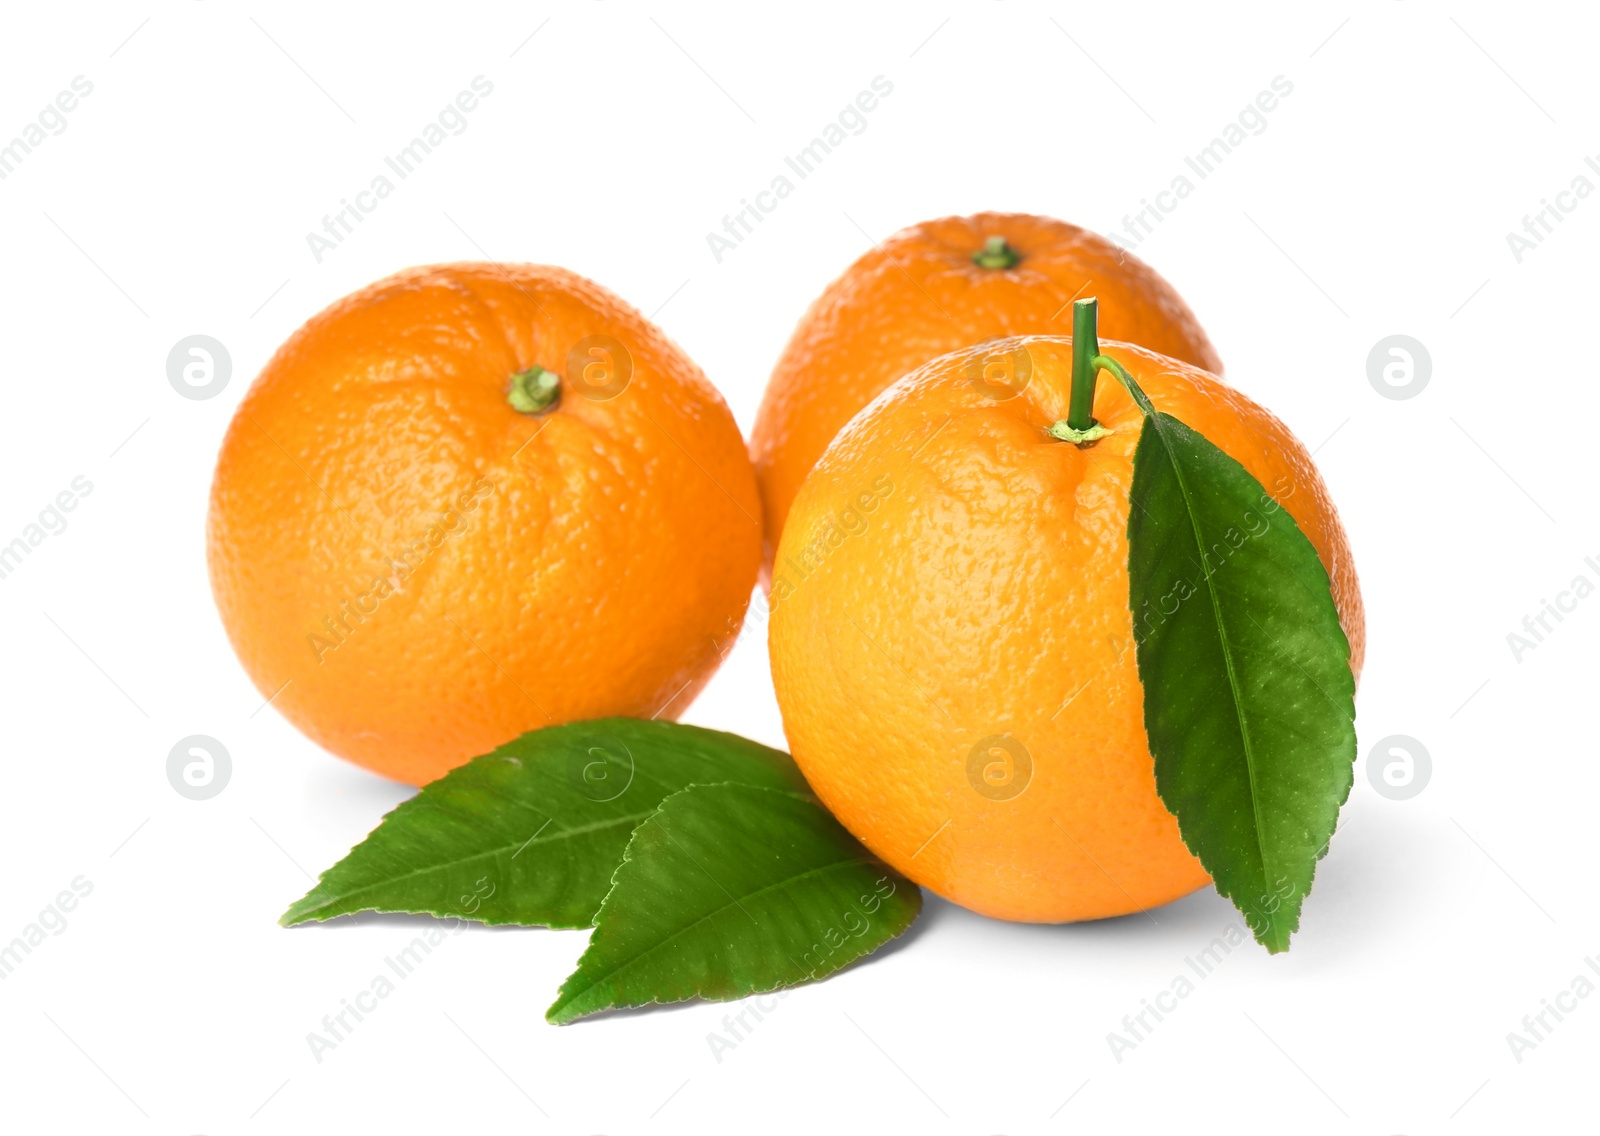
417 563
951 639
938 287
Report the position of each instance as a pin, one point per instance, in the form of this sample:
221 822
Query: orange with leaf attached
951 638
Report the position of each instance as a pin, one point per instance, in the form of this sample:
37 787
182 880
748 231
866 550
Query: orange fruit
935 288
951 640
415 570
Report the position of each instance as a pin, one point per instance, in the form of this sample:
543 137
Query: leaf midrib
563 834
718 910
1227 653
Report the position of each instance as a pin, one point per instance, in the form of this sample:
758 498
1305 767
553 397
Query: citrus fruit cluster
474 500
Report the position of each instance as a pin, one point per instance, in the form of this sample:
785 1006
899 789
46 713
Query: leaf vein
1222 638
679 932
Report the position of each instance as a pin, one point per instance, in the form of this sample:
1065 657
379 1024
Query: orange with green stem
978 617
938 287
474 499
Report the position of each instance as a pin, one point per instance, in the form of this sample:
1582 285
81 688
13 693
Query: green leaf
532 832
728 891
1249 702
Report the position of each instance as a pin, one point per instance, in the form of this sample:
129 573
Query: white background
1377 201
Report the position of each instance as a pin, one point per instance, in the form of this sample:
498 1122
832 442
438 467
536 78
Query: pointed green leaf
532 832
1248 697
727 891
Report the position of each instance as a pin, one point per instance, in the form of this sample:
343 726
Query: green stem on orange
1085 346
1079 426
996 253
534 391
